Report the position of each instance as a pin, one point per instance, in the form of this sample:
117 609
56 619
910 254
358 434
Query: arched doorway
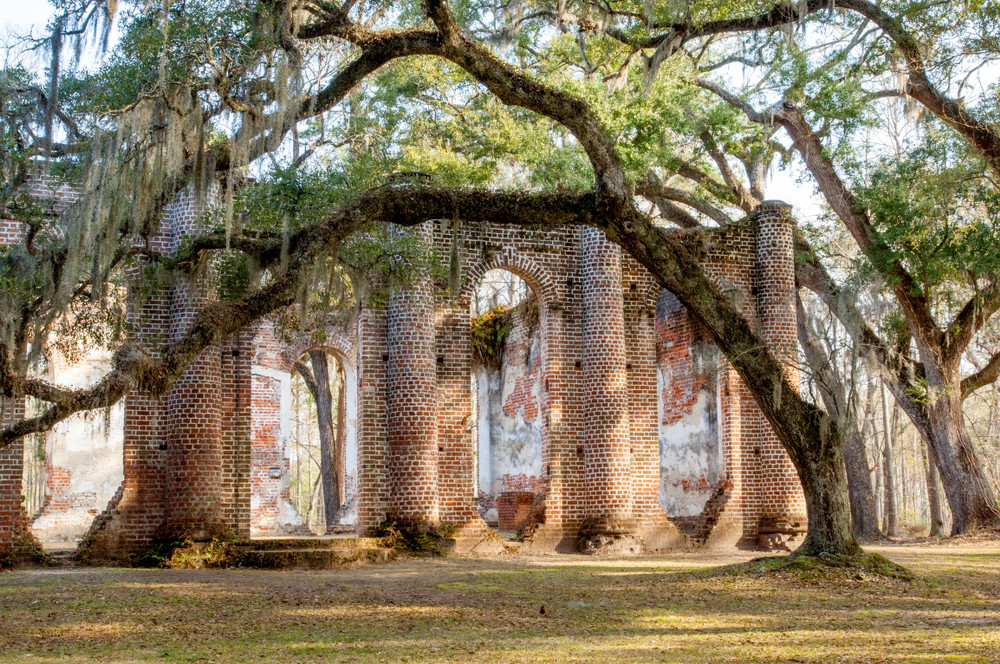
322 470
508 369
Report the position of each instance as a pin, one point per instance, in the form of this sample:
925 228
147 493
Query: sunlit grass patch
487 611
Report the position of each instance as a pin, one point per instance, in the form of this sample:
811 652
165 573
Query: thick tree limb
744 199
985 376
134 366
675 214
967 322
652 189
850 211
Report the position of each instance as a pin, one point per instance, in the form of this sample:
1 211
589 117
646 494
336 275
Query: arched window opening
499 288
507 376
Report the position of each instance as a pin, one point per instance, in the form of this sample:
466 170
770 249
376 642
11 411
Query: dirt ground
664 608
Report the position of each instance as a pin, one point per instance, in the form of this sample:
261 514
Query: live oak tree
925 222
198 93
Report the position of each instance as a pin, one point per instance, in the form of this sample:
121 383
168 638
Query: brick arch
336 342
536 276
653 296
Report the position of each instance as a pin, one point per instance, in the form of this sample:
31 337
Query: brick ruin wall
634 426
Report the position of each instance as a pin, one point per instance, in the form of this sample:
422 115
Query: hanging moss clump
489 332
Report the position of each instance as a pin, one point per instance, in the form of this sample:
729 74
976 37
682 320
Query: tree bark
973 504
327 436
864 516
834 395
933 497
341 448
890 517
331 469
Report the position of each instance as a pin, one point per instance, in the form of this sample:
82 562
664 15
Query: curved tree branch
985 376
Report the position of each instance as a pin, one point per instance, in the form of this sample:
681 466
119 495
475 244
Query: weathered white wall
271 512
84 458
690 454
510 422
691 469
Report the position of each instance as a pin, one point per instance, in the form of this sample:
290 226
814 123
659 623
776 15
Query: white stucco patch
89 447
690 455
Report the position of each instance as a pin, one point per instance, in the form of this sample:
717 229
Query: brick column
13 525
194 450
782 501
194 429
606 435
412 407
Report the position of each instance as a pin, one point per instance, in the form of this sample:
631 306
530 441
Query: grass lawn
666 608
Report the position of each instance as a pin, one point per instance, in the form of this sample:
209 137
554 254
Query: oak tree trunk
890 518
933 497
834 395
973 504
341 441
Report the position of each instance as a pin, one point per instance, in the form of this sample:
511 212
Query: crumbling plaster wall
510 420
691 463
84 457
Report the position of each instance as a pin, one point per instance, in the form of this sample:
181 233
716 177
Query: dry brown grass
671 608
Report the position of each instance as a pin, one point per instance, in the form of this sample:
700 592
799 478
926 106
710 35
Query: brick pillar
412 407
236 432
13 525
194 434
373 428
606 436
129 523
194 438
782 498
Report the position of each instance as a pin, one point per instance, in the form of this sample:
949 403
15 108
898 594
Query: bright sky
19 15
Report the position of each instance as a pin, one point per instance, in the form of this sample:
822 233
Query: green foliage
922 392
235 277
935 211
489 332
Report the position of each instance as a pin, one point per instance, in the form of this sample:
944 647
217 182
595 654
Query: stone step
67 559
314 558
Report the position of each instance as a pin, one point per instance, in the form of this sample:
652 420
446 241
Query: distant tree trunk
318 382
859 482
890 519
327 436
341 448
864 519
933 497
